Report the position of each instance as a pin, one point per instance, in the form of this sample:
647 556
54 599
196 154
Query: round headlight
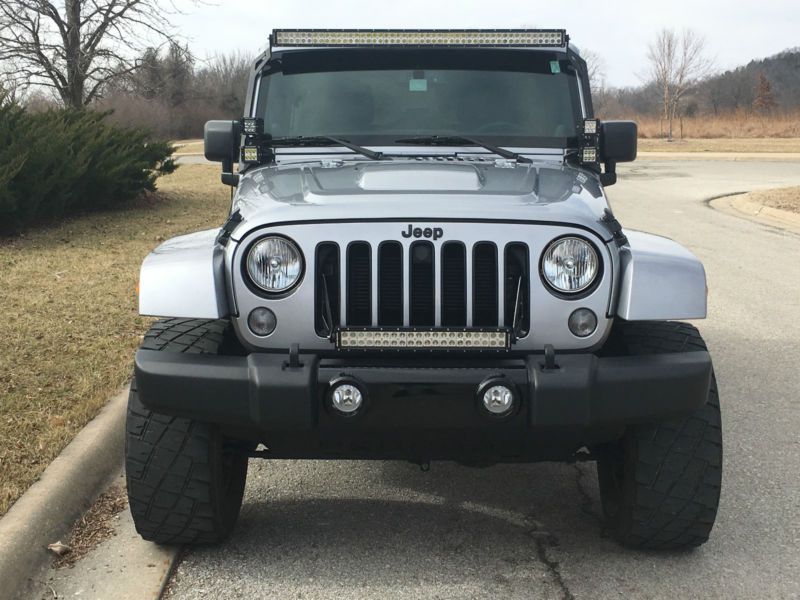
570 265
274 264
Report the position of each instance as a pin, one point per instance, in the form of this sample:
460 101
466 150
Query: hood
419 190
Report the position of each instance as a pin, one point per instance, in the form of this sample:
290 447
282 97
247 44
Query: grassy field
727 145
69 322
738 125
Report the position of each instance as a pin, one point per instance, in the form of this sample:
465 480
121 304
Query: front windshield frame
477 59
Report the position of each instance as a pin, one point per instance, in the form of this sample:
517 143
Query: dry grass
68 317
782 198
95 527
737 145
732 125
189 147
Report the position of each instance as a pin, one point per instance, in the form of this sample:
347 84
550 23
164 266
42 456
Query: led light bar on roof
423 339
460 38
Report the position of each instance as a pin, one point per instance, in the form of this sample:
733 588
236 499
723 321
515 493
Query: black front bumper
423 410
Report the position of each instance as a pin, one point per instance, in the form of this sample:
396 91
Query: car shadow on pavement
341 529
452 526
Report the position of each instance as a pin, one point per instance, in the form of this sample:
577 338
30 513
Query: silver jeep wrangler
421 264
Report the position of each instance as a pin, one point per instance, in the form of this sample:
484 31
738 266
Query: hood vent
421 178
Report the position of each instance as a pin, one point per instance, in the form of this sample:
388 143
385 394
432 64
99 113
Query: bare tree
8 88
77 47
596 70
596 67
224 80
678 61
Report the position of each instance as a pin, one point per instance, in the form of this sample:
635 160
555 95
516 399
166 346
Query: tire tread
173 483
673 499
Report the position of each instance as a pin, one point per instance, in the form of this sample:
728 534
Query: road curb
67 488
742 205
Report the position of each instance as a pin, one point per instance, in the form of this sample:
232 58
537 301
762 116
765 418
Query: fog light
498 400
582 323
262 321
347 398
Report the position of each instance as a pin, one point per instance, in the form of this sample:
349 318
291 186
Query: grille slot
454 284
390 284
517 288
359 284
327 291
484 285
422 306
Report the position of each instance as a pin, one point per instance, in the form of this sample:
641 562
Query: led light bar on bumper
509 38
353 338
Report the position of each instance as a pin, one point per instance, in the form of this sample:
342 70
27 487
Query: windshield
510 98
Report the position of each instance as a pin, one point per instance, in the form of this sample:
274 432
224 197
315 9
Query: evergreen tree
60 163
765 99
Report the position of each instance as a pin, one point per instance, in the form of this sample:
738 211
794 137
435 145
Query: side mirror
222 140
618 143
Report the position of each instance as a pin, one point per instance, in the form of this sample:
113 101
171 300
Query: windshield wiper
324 139
454 140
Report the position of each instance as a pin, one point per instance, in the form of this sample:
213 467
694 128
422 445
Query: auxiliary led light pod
253 126
253 155
590 127
588 155
590 142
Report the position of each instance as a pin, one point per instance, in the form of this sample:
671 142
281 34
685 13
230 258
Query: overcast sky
617 30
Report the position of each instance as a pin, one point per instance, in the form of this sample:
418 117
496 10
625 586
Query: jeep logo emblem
418 232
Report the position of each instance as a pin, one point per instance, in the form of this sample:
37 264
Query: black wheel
185 480
660 485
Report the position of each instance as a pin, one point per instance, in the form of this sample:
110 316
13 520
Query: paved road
388 530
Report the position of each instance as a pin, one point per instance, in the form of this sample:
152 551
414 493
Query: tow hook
294 358
549 358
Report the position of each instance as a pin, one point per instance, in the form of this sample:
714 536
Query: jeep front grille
421 285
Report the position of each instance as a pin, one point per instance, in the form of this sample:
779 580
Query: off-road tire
660 486
185 480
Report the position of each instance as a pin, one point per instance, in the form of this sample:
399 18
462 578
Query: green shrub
61 163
